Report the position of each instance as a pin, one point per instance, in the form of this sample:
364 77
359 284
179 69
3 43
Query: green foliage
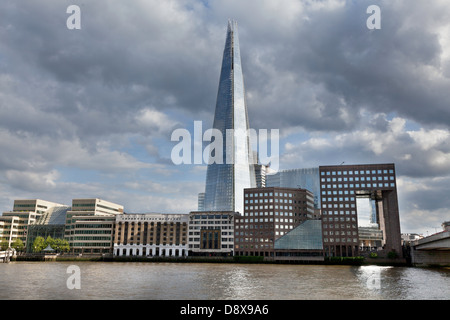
392 254
38 244
4 245
59 245
18 245
373 255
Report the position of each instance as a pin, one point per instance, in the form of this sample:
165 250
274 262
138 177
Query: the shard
225 182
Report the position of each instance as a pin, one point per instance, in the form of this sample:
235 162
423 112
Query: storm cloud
89 112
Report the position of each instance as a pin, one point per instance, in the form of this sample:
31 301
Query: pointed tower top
232 24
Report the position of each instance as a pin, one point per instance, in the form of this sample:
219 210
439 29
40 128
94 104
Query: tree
18 245
61 245
38 244
50 242
4 245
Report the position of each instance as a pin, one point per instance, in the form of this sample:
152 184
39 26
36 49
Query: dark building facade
270 213
341 187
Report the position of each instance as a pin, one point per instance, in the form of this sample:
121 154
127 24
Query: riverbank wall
199 259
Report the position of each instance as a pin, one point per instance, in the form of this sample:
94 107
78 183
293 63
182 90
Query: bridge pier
430 258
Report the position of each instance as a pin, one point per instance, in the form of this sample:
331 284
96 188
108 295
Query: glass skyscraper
306 178
225 182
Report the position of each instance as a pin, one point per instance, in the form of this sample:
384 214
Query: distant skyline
89 113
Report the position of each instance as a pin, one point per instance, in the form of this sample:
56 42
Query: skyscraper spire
225 182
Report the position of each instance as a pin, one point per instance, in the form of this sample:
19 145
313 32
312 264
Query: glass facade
307 236
225 182
307 178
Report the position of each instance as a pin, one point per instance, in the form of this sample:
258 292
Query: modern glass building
225 181
305 178
14 224
51 223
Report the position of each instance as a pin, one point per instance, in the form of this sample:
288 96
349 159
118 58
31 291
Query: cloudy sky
90 112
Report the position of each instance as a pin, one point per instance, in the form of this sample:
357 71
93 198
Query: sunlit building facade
151 235
89 226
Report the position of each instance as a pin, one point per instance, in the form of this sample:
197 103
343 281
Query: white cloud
429 139
154 120
32 181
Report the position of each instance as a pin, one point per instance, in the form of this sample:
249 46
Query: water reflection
396 283
211 281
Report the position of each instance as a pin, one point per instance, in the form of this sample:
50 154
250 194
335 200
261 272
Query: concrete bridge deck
433 250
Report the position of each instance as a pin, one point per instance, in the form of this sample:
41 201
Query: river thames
218 281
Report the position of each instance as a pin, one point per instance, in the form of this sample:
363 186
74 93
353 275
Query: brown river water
218 281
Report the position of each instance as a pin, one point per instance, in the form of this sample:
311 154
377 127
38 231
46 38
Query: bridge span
433 250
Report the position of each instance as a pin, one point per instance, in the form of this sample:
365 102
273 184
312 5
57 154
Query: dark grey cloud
319 64
397 69
103 100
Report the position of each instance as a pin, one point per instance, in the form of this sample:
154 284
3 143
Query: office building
306 178
89 226
270 213
359 202
227 178
51 224
261 174
211 233
151 234
14 224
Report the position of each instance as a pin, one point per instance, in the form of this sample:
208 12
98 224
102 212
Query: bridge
433 250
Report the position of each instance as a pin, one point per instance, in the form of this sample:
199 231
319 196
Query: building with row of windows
357 204
89 226
358 212
153 234
211 233
15 224
270 213
359 209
